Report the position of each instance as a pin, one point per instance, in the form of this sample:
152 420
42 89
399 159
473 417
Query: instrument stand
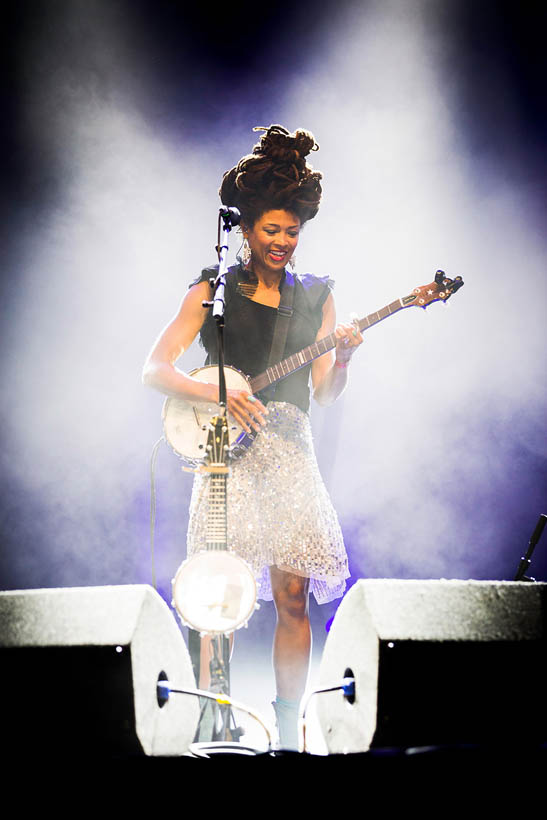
225 728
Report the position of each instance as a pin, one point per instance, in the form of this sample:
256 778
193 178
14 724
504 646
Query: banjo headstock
440 290
217 442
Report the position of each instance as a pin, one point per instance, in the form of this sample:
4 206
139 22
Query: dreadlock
275 176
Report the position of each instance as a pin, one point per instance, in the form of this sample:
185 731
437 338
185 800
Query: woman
280 518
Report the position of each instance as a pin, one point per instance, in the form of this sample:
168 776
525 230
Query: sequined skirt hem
324 590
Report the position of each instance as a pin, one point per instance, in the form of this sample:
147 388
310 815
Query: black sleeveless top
249 329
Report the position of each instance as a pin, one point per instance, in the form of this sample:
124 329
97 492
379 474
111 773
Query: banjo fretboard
314 351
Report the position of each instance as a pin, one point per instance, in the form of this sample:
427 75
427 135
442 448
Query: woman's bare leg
292 640
291 650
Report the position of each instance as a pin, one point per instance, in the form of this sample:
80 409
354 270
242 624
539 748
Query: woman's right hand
246 409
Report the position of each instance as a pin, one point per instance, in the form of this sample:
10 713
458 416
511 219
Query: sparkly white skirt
279 511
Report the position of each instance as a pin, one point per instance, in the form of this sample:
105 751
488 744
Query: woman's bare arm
330 371
161 373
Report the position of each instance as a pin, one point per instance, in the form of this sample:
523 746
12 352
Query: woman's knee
290 593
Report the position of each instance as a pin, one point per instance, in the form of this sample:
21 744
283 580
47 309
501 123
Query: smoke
98 276
435 453
434 469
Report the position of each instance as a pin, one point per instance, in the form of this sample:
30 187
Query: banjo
186 424
214 591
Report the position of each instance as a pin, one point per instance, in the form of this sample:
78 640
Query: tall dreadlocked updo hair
275 176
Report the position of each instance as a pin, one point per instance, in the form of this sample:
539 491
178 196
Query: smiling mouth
276 256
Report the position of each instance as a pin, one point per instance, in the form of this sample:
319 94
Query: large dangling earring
246 252
292 261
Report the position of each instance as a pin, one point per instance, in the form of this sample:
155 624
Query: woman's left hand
348 339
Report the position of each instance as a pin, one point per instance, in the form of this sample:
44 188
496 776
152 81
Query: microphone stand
227 218
526 560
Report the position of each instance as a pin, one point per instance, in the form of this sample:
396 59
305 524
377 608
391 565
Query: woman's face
272 240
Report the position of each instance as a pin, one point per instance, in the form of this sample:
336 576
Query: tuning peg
440 276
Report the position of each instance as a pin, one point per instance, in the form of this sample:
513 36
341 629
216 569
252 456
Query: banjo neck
439 290
317 349
216 529
217 522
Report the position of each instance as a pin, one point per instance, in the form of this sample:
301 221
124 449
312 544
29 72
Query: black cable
153 507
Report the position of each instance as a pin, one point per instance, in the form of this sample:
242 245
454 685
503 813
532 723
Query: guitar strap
281 329
284 315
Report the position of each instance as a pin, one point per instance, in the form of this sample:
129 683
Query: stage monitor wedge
436 663
80 668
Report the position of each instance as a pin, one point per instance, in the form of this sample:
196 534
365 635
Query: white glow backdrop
435 454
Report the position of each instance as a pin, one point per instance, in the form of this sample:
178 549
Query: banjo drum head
214 591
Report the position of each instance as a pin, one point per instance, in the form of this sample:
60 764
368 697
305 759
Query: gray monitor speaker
436 663
79 673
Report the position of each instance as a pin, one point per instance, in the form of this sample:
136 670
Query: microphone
230 215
